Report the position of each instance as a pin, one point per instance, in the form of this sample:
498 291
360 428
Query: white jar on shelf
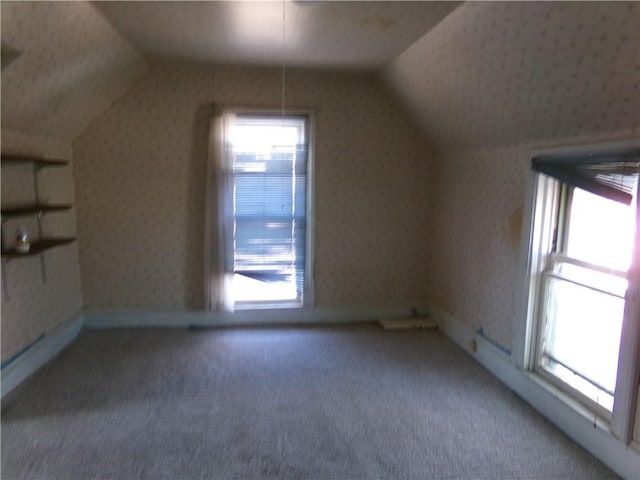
22 240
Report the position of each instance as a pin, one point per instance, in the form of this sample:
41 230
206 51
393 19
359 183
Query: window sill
598 421
245 307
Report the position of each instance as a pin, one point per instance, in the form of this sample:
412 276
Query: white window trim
215 297
625 406
537 236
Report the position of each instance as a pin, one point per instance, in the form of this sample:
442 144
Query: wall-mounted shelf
28 210
40 162
38 247
38 208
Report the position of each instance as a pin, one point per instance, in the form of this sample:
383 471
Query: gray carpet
317 403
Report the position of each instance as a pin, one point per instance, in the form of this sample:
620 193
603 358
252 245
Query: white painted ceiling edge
76 58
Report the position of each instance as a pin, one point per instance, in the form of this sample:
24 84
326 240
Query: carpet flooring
348 402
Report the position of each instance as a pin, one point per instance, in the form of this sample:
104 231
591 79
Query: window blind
613 174
265 197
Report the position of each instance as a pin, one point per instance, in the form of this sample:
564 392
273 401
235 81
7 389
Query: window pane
247 289
600 231
265 204
583 330
586 276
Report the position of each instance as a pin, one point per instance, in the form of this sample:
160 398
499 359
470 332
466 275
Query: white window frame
216 298
541 203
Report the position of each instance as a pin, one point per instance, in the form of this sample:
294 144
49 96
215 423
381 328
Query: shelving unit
36 209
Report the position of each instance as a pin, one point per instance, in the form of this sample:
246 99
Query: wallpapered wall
488 84
512 72
140 183
476 207
30 306
72 65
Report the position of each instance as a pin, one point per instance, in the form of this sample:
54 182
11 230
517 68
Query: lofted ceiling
64 63
536 70
317 34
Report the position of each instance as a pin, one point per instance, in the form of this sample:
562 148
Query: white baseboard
625 461
39 354
259 317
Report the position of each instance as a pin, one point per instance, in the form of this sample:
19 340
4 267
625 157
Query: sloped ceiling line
73 66
79 57
339 35
507 73
488 74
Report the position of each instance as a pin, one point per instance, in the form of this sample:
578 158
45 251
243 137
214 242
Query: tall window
585 223
265 202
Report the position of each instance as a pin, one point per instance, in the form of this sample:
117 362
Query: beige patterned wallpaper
477 199
33 305
475 202
500 73
488 84
72 65
140 169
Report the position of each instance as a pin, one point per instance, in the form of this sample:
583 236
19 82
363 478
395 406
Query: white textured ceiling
70 65
342 35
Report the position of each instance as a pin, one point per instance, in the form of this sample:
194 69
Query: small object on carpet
196 328
414 323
